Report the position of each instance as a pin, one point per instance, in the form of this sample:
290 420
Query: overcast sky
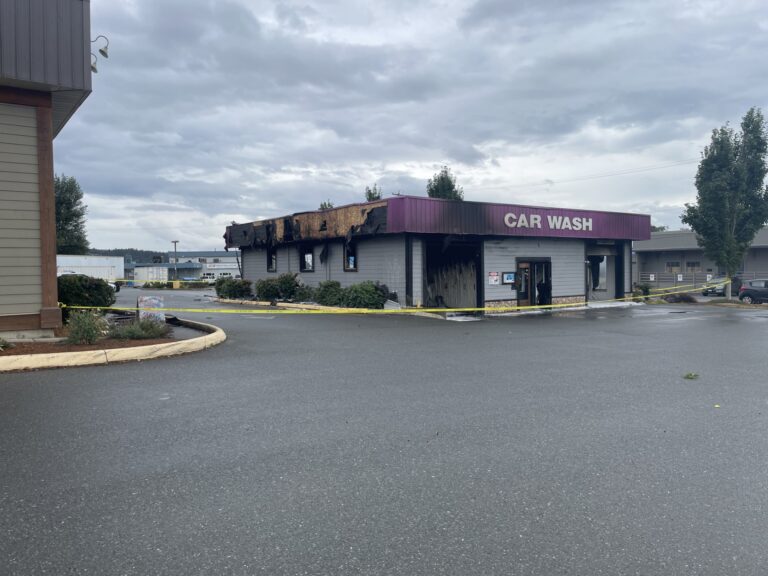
209 111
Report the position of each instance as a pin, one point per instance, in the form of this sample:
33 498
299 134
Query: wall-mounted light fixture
104 51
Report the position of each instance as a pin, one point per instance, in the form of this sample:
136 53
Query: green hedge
79 290
284 287
329 293
363 295
233 288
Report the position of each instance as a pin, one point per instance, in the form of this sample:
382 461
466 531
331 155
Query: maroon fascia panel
434 216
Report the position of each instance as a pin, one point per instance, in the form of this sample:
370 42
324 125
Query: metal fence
693 279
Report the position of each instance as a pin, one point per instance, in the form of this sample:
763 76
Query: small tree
372 194
732 200
70 216
659 228
326 205
443 185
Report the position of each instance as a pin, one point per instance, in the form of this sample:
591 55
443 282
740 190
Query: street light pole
175 261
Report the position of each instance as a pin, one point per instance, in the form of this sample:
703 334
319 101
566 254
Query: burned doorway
533 282
452 272
604 271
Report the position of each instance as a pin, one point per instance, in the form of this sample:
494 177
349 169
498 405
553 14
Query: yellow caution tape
304 311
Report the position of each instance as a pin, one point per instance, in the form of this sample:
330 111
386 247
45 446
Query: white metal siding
567 258
20 280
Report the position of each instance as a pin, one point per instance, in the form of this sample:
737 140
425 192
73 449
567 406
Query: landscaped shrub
679 299
329 293
644 288
5 345
233 288
267 289
79 290
144 329
85 327
221 285
304 294
287 284
365 295
157 285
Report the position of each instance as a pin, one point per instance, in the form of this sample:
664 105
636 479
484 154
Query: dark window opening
323 226
271 259
306 260
350 258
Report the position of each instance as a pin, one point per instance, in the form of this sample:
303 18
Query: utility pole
175 261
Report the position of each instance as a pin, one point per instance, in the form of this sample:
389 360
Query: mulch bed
55 347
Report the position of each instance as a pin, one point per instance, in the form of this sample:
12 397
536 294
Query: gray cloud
255 108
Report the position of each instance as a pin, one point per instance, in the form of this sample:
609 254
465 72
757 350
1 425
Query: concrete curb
214 335
293 306
284 305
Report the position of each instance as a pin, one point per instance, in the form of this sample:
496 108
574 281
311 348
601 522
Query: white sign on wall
652 277
679 277
493 279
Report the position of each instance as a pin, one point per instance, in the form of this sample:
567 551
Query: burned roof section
343 222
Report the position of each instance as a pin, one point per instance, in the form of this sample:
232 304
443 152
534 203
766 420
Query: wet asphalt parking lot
565 443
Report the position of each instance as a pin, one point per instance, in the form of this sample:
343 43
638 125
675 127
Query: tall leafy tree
326 205
372 194
70 216
732 200
443 185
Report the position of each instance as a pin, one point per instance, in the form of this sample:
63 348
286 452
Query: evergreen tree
372 194
443 185
70 216
732 200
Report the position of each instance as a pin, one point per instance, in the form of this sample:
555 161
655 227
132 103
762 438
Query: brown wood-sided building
45 74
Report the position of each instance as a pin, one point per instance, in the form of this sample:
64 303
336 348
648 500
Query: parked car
754 291
715 287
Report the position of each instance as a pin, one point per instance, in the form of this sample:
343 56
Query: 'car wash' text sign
547 222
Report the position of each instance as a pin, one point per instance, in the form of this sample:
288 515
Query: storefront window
271 259
673 267
350 258
307 260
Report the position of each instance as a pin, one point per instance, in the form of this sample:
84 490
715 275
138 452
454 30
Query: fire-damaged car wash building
453 254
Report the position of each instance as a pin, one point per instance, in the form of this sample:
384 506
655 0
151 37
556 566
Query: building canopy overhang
421 215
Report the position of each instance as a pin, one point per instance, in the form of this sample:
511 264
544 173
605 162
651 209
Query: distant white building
109 268
213 264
